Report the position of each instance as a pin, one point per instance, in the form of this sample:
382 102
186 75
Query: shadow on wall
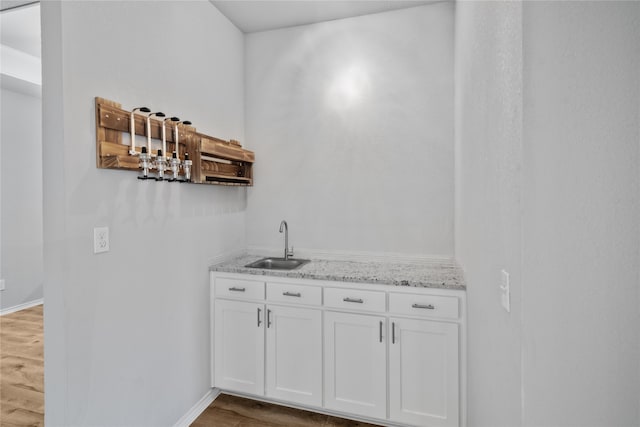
119 195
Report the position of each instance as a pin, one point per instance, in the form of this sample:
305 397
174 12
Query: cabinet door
239 346
294 354
423 373
355 364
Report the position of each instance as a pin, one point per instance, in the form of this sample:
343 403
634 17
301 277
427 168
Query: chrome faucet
287 252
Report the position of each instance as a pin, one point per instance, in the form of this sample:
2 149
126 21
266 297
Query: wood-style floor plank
233 411
22 368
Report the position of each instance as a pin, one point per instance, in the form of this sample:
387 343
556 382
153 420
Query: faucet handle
290 251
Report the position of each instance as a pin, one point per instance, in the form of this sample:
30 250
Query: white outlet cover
1 284
505 294
100 240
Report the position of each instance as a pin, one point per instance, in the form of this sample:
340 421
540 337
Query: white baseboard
355 256
19 307
198 408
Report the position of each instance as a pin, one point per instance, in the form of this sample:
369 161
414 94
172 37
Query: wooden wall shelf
215 161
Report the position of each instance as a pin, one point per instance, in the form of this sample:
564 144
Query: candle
132 128
149 133
175 137
164 137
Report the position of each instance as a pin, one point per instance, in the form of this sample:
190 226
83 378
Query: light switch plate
505 294
100 240
1 284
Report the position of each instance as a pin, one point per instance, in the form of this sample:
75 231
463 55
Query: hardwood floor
22 368
232 411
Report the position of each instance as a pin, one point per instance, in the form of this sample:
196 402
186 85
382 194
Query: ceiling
20 20
20 27
252 16
10 4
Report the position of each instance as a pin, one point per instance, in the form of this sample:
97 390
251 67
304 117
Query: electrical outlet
2 285
505 294
100 240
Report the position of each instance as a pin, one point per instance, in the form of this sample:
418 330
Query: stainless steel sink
278 263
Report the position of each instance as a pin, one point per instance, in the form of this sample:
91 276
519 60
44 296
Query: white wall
488 201
581 213
21 198
547 166
127 336
353 120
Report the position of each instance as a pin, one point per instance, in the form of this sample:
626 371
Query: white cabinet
423 373
355 364
294 354
266 349
239 346
388 354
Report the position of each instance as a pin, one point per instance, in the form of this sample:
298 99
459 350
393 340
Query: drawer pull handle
234 289
428 307
393 332
292 294
259 322
356 300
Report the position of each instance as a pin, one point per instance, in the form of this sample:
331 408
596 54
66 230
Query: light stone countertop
445 275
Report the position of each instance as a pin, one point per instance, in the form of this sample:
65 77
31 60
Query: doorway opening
21 215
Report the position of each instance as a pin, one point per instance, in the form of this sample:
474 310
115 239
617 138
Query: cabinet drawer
238 288
297 294
424 305
355 299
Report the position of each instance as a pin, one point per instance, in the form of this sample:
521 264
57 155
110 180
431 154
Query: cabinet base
315 409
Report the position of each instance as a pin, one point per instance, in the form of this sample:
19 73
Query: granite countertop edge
446 275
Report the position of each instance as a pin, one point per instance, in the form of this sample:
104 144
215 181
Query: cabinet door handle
393 332
428 307
357 300
234 289
259 322
268 318
381 331
292 294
